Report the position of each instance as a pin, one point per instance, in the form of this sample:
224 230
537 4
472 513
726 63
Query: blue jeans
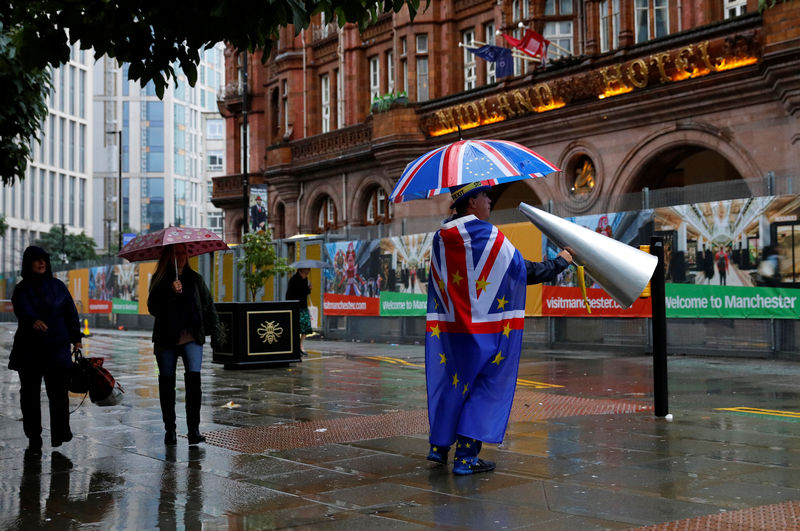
191 353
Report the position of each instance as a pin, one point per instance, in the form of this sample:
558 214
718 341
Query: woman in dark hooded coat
48 324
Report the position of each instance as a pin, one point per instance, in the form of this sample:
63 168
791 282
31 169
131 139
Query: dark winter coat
298 290
192 310
40 297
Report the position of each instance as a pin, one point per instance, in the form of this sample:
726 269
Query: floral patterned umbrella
149 246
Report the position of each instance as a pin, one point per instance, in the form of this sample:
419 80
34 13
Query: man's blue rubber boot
463 466
438 454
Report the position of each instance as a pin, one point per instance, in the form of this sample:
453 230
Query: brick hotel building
641 94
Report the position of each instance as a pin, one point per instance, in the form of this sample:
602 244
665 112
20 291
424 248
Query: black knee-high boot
166 394
193 399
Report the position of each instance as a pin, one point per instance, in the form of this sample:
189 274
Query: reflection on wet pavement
339 441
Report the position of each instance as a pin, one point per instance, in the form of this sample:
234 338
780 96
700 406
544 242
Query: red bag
89 373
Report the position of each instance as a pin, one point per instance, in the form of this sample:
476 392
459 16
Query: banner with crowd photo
737 258
562 297
378 277
113 289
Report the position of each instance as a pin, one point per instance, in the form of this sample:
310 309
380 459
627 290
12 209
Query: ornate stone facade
715 99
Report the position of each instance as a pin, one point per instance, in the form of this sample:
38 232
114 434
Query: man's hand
177 287
40 326
566 255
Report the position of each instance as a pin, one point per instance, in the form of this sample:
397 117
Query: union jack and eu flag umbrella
491 162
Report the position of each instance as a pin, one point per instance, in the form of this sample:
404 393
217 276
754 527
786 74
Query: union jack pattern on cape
476 311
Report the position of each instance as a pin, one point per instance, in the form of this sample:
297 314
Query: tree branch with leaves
154 38
260 261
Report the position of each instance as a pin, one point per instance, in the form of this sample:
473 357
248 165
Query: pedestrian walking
298 290
476 310
48 325
184 315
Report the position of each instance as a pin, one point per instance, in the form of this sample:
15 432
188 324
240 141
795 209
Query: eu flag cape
475 319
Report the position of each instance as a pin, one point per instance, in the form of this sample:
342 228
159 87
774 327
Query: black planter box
258 334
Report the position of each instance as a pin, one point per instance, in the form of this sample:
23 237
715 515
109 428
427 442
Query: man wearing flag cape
475 321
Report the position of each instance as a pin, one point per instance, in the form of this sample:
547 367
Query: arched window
377 209
326 218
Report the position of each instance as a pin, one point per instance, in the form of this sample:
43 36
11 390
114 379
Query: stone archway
280 221
317 201
683 155
508 196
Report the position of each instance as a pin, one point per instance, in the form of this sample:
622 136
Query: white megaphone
622 271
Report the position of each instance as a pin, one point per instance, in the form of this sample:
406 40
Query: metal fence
764 338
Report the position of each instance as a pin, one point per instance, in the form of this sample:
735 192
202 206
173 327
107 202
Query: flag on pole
501 57
531 44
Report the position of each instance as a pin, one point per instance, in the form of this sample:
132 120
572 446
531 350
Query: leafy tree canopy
66 248
22 111
260 261
153 37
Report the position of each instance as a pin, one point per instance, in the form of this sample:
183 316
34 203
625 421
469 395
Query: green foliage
766 4
260 261
23 108
66 248
153 37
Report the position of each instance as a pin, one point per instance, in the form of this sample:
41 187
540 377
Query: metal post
245 169
119 197
645 198
657 298
63 243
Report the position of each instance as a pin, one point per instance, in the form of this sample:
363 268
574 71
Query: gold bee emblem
269 332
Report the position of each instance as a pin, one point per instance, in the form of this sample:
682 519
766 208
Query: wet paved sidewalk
339 442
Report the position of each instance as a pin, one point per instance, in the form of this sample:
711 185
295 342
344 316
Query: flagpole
554 45
515 54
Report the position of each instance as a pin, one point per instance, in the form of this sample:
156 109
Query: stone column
592 27
627 28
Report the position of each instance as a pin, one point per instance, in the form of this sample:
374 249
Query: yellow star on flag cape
497 359
507 329
442 358
455 380
435 331
501 302
457 278
481 284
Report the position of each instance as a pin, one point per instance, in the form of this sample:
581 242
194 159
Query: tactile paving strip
527 406
766 517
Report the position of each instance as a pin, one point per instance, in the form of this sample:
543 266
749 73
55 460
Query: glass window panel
422 43
71 206
82 204
661 18
62 179
422 79
52 198
42 188
642 21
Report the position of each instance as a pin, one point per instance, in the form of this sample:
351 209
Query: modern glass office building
56 189
164 163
